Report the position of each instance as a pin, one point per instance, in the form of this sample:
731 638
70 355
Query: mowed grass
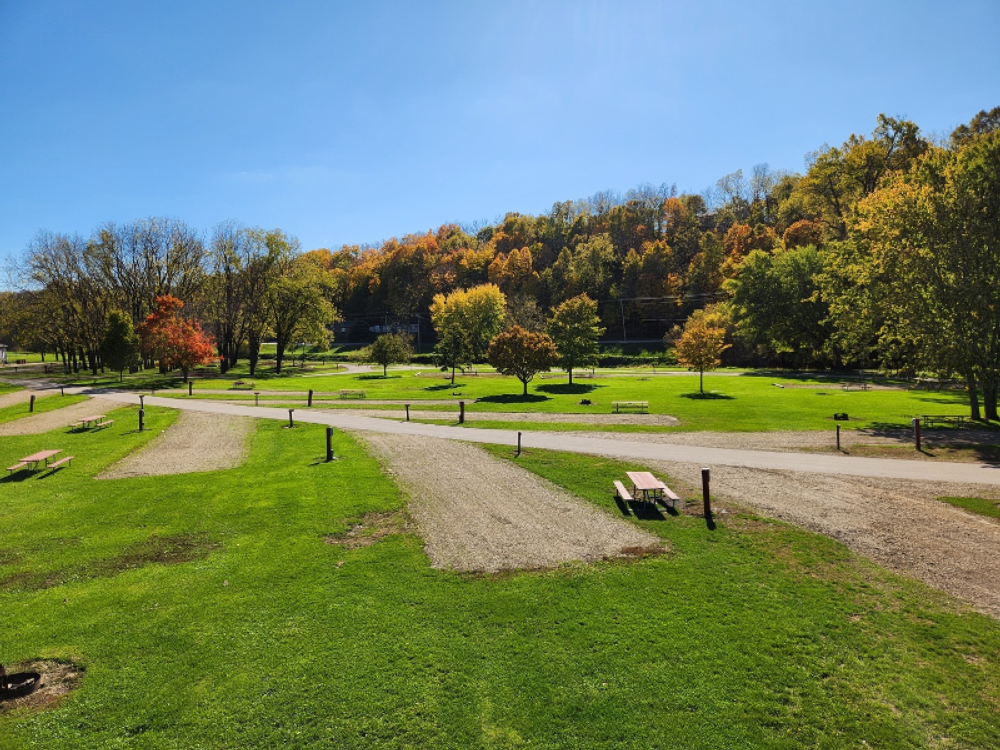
209 611
980 505
732 402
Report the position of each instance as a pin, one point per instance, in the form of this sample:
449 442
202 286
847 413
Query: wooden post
142 419
916 432
838 437
310 397
190 387
519 444
290 422
62 390
461 412
407 412
142 402
31 405
329 443
705 497
256 398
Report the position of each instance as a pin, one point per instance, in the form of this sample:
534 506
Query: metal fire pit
19 684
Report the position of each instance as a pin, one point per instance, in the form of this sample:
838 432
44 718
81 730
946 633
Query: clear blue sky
351 122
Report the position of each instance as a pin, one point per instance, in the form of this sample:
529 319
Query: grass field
209 611
733 401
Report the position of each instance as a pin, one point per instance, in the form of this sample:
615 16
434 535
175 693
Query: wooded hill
884 253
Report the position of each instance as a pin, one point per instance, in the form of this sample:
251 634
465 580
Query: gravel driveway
479 513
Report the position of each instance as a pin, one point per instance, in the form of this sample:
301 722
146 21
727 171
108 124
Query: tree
176 343
575 328
776 304
297 304
465 321
389 349
120 346
924 255
701 345
522 354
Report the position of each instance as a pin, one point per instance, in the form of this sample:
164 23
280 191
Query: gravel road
479 513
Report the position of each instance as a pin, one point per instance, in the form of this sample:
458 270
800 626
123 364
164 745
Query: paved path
968 473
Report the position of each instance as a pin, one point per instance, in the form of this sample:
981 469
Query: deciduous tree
522 354
701 345
176 343
575 328
120 346
390 349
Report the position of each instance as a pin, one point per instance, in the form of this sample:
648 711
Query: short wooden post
290 422
31 405
329 443
142 402
256 398
838 437
310 397
705 497
519 444
461 412
916 432
62 391
142 419
407 412
190 388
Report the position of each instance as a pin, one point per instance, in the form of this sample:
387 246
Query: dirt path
900 524
478 513
16 397
194 442
50 420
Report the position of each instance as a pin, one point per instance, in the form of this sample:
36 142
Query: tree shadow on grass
566 388
511 398
708 396
443 387
378 376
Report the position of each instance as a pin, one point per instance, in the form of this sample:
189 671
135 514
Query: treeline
883 253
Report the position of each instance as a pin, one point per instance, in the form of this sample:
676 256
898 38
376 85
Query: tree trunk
453 374
970 382
570 371
990 400
525 382
254 354
701 381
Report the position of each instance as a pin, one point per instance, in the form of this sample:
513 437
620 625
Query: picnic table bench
31 463
248 384
640 406
348 393
647 488
928 420
96 421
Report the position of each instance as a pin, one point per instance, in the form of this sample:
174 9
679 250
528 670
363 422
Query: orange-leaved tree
175 342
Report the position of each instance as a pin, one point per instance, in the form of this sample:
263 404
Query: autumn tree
575 328
297 303
390 349
522 354
175 342
465 321
924 256
120 346
700 345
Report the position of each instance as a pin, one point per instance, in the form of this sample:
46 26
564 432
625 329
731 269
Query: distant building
3 354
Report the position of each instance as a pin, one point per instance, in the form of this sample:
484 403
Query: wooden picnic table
93 419
41 457
647 486
929 420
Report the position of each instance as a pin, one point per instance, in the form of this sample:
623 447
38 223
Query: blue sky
354 122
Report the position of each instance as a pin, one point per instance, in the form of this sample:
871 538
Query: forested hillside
885 252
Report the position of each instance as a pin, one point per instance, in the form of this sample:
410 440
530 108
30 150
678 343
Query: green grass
980 505
42 404
209 612
733 402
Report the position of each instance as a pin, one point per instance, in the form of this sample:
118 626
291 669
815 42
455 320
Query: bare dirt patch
481 514
58 679
36 424
898 523
194 442
372 528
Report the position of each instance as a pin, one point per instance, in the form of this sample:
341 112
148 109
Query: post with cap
290 422
329 444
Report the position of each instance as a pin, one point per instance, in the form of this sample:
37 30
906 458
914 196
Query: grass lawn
733 402
980 505
209 611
